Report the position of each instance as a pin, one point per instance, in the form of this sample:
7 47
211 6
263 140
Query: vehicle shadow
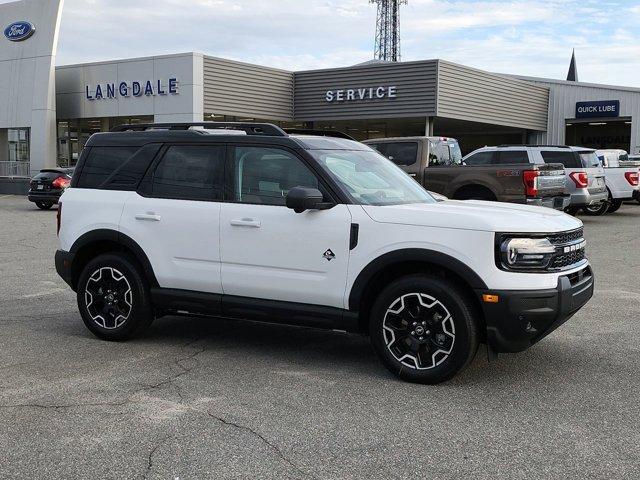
320 351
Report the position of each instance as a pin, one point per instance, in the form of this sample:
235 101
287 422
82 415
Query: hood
476 215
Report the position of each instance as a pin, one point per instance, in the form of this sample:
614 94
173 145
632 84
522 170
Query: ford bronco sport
253 223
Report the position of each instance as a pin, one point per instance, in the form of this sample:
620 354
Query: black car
47 186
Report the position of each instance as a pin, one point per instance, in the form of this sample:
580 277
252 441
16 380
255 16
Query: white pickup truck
622 178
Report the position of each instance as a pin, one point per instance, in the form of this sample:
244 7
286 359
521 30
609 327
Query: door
270 252
176 220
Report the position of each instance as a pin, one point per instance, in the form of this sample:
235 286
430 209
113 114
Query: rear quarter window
568 159
102 162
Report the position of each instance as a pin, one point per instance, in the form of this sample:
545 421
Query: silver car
585 176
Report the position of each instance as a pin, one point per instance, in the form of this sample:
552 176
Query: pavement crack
273 447
184 370
152 452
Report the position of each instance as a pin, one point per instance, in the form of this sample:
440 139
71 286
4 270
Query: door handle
246 222
150 217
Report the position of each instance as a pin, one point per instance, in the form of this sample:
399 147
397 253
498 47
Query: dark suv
46 188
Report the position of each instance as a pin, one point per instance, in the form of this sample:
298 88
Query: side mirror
300 199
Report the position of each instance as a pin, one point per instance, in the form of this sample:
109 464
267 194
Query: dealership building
48 112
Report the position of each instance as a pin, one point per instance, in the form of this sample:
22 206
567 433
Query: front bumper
64 262
559 202
523 317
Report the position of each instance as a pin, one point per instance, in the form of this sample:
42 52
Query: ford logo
19 31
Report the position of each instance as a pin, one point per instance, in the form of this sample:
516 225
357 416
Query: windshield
589 159
370 179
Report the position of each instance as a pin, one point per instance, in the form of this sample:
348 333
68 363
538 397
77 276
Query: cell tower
388 30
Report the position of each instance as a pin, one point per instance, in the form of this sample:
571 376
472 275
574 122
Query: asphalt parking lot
201 398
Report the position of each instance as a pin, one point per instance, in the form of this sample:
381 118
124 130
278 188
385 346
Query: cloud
529 37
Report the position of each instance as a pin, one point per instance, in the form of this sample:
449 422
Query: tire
596 211
449 332
44 205
572 210
113 297
615 206
475 194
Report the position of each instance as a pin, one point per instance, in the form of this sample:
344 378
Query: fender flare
440 259
106 234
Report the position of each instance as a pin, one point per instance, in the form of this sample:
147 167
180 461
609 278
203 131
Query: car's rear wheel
113 297
424 329
598 209
44 205
615 206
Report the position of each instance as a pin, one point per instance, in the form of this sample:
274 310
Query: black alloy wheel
113 297
424 329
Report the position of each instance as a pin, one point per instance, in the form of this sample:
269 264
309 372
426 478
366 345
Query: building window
18 143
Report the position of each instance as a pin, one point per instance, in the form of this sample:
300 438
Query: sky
525 37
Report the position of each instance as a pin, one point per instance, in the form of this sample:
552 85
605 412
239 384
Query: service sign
602 108
367 93
19 31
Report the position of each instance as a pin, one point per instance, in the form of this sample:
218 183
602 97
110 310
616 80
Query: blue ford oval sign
18 31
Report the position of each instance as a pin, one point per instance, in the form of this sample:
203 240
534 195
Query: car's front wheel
44 205
113 297
424 328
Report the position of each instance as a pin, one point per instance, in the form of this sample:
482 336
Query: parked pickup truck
437 164
622 178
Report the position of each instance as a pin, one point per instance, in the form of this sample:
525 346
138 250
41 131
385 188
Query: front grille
566 237
563 260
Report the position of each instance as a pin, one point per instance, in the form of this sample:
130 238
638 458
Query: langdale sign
147 88
367 93
601 108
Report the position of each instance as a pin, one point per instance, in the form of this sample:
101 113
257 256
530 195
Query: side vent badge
329 255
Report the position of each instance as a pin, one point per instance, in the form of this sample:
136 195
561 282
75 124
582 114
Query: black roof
208 132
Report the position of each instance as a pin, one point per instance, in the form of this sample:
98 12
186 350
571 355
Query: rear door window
510 157
481 158
567 158
102 162
190 172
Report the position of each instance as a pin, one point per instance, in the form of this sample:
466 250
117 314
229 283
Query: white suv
253 223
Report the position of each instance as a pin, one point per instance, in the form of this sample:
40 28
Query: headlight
526 253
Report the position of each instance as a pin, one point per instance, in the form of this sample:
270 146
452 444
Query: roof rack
532 145
266 129
319 133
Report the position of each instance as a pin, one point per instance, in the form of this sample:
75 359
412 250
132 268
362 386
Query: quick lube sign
366 93
601 108
131 89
